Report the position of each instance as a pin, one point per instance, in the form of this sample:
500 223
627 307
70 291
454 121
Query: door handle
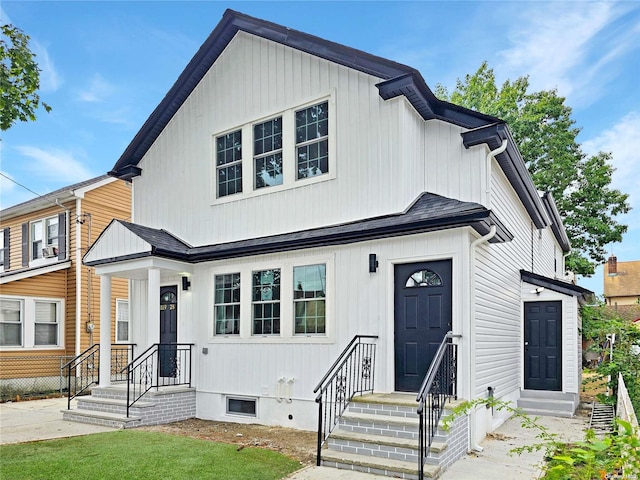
526 343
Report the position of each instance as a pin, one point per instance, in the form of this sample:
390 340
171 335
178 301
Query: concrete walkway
493 462
39 420
42 419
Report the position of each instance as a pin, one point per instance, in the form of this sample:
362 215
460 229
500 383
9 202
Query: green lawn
132 454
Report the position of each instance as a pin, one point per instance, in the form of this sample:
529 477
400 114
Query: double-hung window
312 141
229 163
11 320
266 302
44 238
122 321
227 304
291 146
267 153
46 323
309 293
4 247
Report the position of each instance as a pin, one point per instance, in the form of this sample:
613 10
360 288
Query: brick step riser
375 471
74 417
373 449
387 430
383 410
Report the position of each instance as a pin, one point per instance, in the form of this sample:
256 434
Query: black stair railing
160 365
350 374
83 370
439 385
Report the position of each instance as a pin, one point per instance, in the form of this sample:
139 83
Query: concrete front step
378 466
547 404
105 419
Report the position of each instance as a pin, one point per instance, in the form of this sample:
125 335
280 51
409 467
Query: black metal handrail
83 370
439 385
351 373
160 365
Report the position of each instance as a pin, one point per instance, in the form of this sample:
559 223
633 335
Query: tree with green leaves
546 136
19 79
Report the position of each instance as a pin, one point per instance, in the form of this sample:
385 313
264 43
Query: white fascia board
137 268
79 193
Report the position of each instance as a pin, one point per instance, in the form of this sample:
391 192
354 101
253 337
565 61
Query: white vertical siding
385 154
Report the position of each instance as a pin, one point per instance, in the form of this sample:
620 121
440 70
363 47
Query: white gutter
490 156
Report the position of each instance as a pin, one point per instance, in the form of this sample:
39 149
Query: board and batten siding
358 302
498 290
385 154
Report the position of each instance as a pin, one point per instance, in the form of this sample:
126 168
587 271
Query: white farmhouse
293 197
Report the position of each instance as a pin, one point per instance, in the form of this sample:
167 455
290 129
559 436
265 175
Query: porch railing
83 370
350 374
160 365
439 385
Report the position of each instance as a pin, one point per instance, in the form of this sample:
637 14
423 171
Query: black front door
422 312
168 331
543 346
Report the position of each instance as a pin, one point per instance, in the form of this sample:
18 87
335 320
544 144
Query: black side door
543 346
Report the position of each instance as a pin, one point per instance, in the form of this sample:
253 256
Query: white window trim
28 305
238 414
119 301
287 335
289 163
38 262
21 323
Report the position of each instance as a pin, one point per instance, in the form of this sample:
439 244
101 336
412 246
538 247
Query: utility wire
27 188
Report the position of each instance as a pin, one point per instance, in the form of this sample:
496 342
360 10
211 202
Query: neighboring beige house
621 282
49 302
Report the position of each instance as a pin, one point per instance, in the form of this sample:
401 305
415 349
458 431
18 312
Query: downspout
472 291
472 329
490 156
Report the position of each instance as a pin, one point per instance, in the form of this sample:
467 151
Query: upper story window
312 140
267 153
4 249
290 147
44 240
229 163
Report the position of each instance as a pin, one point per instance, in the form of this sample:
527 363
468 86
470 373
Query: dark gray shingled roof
428 213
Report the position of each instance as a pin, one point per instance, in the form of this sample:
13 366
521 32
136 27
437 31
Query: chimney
612 265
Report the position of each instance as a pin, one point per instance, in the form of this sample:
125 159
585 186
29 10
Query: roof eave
513 166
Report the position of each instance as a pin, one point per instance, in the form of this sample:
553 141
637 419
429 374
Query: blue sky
106 65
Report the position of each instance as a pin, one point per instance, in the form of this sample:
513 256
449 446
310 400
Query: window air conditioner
48 252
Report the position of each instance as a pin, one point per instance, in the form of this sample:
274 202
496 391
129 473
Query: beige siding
103 203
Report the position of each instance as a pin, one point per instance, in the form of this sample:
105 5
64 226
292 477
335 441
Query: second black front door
543 346
168 331
422 312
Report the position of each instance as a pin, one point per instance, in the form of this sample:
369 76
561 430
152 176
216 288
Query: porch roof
555 285
429 212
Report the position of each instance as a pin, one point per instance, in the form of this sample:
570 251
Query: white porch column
153 306
105 331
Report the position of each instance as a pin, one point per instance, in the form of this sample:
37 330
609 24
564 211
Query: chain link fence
25 377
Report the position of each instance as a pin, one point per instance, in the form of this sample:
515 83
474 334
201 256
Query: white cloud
99 90
568 45
50 79
54 165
